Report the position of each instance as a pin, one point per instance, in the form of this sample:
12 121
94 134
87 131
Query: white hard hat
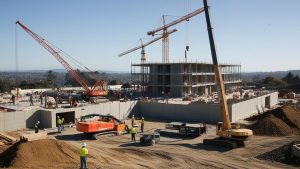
84 144
133 115
38 121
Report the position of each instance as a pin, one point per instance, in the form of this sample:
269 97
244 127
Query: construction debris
282 154
31 136
7 138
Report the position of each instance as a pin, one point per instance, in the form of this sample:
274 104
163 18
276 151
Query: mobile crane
98 89
231 135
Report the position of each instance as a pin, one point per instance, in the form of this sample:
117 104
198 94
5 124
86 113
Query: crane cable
187 47
187 9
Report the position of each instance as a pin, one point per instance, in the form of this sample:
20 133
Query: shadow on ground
177 135
132 144
73 137
202 146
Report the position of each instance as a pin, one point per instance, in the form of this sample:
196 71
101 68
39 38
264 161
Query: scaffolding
181 79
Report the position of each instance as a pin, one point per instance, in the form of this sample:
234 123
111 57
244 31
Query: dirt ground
119 152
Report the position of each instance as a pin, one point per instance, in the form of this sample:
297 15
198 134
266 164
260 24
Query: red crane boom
91 91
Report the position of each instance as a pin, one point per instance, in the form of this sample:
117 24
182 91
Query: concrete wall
209 112
10 121
253 106
178 112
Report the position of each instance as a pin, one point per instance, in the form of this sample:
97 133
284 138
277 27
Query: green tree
51 78
5 86
271 82
114 82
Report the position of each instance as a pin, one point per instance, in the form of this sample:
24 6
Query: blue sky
261 35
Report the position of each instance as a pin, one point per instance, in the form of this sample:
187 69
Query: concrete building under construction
181 79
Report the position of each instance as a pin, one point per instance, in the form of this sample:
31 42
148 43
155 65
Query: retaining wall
203 112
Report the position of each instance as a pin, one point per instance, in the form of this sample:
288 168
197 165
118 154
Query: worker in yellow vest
83 156
142 124
133 133
59 122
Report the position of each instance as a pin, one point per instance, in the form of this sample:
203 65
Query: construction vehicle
94 124
230 135
98 89
150 138
186 129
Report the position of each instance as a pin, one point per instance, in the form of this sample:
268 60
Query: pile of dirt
271 126
40 154
281 121
282 154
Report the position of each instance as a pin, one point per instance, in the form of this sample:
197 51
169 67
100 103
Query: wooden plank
7 137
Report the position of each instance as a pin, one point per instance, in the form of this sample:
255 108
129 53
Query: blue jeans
83 162
59 128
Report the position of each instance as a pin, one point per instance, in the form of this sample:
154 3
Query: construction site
172 115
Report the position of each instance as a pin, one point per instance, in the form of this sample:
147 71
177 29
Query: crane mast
56 53
217 68
165 44
231 135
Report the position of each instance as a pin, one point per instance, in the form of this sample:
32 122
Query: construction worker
133 133
41 98
31 100
132 120
62 124
142 124
83 156
59 124
13 99
37 126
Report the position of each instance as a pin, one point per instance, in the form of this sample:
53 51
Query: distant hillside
256 76
39 75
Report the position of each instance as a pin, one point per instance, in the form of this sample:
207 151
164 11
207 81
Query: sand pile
40 154
282 154
278 122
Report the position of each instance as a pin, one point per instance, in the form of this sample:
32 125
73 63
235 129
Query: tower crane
231 135
97 89
143 45
165 40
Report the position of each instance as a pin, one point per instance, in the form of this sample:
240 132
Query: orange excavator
98 89
93 124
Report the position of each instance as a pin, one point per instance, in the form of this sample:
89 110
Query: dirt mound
40 154
272 126
277 122
282 154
